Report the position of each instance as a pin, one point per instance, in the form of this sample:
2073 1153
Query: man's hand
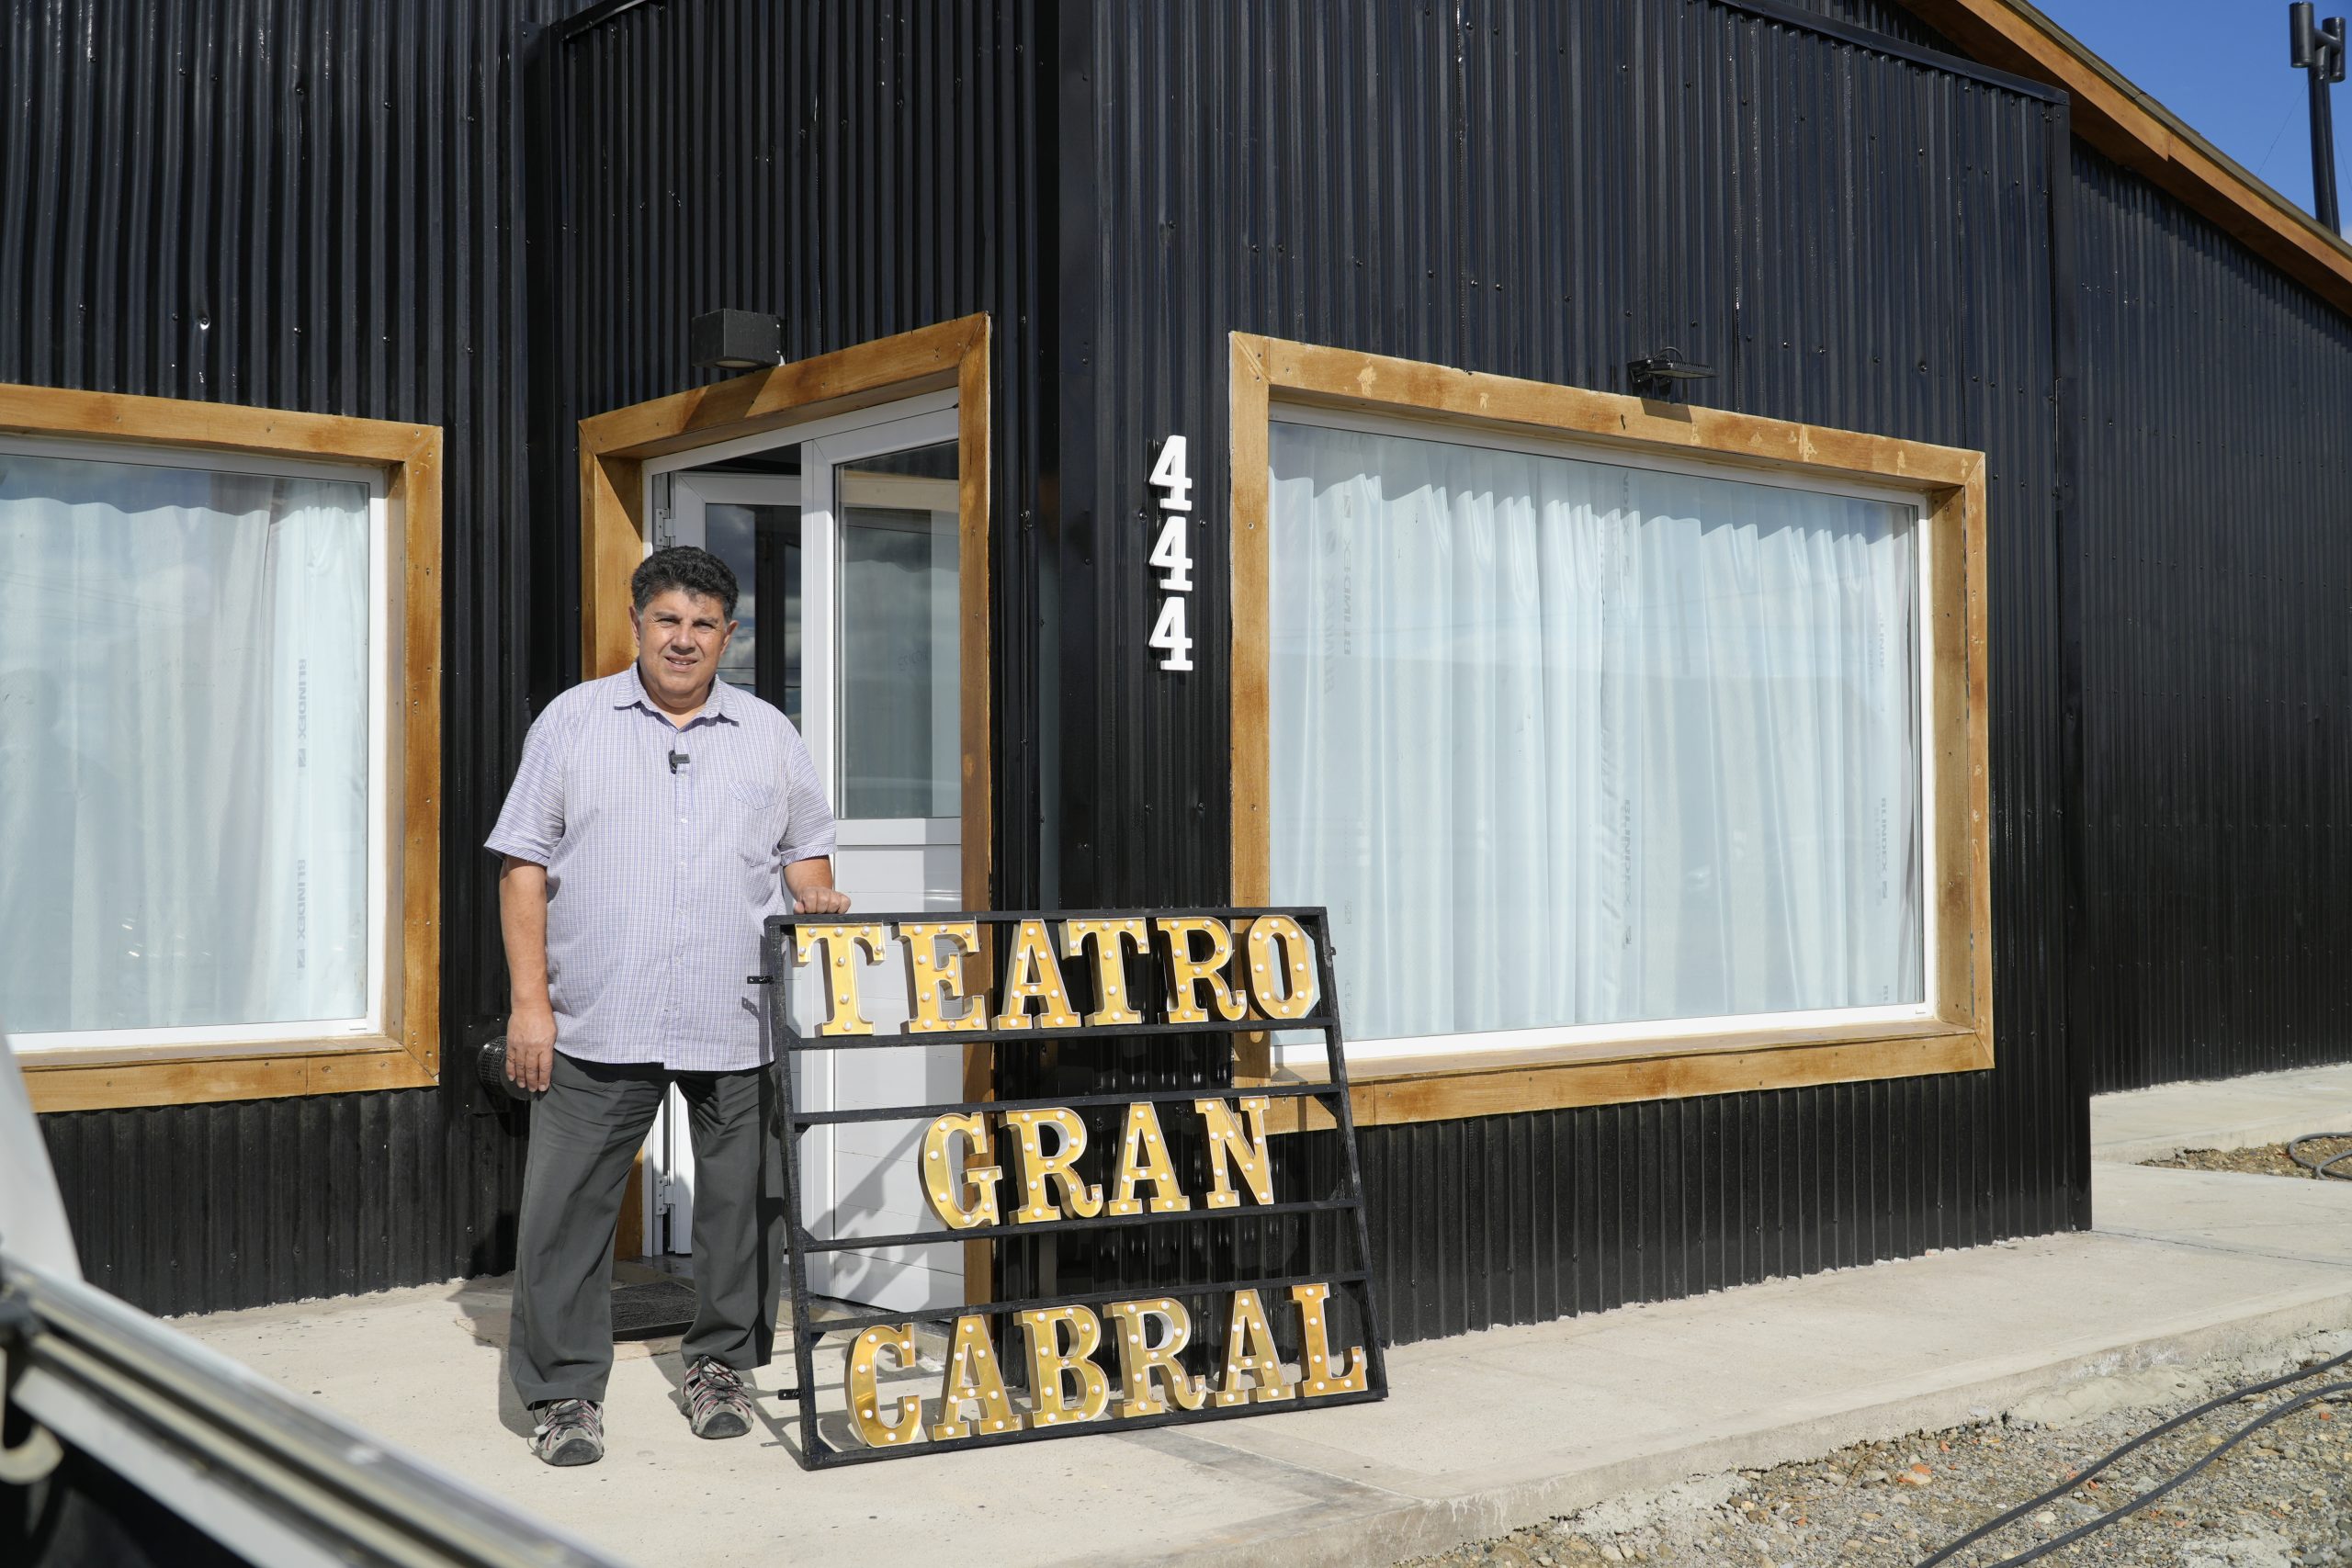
530 1047
813 893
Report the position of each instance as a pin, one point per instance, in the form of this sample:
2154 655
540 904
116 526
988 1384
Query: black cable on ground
2150 1435
2288 1408
2327 1166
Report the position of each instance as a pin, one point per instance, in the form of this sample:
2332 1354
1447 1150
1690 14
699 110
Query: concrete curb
2227 1113
1355 1525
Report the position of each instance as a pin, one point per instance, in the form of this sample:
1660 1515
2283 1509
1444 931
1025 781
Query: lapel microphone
678 760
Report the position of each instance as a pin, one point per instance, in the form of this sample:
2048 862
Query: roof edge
2135 130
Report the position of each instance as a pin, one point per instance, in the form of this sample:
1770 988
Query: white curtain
1563 742
183 746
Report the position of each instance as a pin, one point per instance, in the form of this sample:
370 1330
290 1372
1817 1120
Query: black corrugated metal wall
2217 631
328 219
311 205
1855 238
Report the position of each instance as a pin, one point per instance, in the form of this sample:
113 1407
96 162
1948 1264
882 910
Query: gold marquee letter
940 1182
1033 975
1187 973
931 981
1041 1171
1139 1358
972 1374
1111 939
841 943
1315 1342
1281 980
1143 1161
865 1401
1050 1361
1250 1347
1227 1141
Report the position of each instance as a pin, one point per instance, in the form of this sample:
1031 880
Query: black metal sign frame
815 1450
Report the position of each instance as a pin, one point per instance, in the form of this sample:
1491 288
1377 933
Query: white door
883 695
850 615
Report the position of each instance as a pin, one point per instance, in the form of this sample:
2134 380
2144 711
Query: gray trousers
585 1131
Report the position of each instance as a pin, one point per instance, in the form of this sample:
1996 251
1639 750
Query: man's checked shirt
660 875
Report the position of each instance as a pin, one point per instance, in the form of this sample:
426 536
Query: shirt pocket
753 807
752 795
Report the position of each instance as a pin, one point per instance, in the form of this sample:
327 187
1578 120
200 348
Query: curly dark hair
684 566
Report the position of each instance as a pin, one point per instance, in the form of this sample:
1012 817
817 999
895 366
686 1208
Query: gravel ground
2269 1159
2282 1497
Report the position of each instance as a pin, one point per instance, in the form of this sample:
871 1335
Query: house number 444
1171 554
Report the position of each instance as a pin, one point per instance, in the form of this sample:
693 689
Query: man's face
679 638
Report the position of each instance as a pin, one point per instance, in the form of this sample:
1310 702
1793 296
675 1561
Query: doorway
844 537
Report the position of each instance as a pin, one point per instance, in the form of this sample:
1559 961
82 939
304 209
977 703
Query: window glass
759 542
901 748
1563 742
184 769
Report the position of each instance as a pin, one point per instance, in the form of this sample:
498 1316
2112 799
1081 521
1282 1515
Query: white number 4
1170 634
1173 556
1168 473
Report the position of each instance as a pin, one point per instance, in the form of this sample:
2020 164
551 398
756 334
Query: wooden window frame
406 1054
1950 483
615 446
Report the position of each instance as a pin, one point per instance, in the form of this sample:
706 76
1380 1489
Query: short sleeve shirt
665 850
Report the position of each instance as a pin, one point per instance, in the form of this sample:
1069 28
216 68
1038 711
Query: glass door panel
881 531
902 742
752 523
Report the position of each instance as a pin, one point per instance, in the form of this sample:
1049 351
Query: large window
219 750
188 773
1635 749
1566 744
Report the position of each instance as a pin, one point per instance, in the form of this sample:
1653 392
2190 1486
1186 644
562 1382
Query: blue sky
2221 66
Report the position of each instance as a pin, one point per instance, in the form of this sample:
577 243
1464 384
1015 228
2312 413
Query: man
644 838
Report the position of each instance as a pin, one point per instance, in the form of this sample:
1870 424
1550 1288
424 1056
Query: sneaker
717 1402
569 1431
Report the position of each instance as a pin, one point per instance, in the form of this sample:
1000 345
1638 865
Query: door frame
617 445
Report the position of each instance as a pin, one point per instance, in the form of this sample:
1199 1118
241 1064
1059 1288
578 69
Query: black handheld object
489 1069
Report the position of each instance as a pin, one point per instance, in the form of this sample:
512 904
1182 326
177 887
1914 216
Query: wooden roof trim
2135 130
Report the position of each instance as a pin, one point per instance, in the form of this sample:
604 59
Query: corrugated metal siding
2217 592
1528 188
1889 16
306 204
1547 191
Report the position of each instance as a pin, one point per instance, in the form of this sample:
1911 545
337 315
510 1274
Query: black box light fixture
1660 374
735 340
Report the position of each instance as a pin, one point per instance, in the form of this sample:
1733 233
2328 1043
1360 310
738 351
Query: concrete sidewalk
2234 1113
1481 1433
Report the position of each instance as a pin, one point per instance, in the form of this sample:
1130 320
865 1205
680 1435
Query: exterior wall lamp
1660 374
735 340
